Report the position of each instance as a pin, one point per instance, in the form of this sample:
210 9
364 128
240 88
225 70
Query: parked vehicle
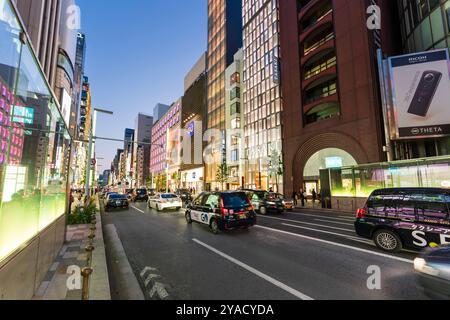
165 201
140 195
129 194
409 218
185 195
222 211
433 272
105 199
116 201
264 203
287 202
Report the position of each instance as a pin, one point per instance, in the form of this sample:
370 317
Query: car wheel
158 207
214 226
387 240
188 218
263 211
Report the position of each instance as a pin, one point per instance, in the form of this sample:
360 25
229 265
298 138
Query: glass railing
326 92
314 71
317 44
316 20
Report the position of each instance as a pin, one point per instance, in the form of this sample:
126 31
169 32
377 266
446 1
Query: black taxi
222 211
406 218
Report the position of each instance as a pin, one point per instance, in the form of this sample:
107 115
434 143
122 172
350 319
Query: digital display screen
333 162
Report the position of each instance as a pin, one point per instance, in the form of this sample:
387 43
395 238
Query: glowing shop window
14 181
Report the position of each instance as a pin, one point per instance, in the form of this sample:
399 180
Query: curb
99 288
126 281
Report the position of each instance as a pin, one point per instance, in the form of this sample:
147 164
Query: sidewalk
54 286
317 207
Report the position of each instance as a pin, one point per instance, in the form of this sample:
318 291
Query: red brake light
252 208
361 213
223 212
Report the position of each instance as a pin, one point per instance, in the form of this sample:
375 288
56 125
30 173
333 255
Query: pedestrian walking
295 198
302 197
314 196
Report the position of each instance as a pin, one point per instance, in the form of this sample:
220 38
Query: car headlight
419 264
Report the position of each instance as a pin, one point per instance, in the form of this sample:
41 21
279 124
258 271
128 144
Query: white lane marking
309 224
322 231
335 222
147 269
150 277
141 211
159 289
338 244
324 217
273 281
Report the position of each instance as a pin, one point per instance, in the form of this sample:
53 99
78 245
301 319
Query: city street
291 256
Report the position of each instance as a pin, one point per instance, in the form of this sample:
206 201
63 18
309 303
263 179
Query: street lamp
91 138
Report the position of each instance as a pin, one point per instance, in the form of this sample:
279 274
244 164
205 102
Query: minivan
405 218
222 211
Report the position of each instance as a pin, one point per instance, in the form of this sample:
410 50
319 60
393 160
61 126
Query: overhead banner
420 85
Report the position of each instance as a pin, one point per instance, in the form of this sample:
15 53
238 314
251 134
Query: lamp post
90 151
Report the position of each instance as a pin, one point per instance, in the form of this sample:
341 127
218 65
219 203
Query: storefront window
361 181
34 143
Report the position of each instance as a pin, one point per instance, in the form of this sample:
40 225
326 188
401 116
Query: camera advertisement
421 94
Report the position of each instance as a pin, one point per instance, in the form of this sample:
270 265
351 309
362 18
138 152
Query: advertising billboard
66 106
420 85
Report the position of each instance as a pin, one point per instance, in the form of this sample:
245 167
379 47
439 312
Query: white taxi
165 201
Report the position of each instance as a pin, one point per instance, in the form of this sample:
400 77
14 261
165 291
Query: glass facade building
262 95
425 25
224 40
35 143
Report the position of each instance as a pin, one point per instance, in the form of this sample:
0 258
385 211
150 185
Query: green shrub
83 215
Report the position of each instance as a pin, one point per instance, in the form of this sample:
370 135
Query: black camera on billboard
425 92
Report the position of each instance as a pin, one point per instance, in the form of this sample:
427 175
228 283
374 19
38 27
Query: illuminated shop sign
23 115
191 129
333 162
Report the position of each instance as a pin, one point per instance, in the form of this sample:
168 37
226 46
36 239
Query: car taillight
224 212
361 213
251 208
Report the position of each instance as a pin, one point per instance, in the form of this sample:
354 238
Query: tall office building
141 151
42 19
224 40
193 113
234 90
332 113
80 59
159 111
262 101
128 156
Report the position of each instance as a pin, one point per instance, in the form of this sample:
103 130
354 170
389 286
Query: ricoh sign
419 86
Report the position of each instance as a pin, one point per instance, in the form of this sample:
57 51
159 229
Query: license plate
119 202
242 216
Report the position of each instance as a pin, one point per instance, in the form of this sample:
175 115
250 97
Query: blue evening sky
138 52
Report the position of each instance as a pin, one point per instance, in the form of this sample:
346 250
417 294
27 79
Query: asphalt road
298 255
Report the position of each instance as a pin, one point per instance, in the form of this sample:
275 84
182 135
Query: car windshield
116 197
168 196
141 191
235 200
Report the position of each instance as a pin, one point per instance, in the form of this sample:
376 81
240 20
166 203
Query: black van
222 211
409 218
